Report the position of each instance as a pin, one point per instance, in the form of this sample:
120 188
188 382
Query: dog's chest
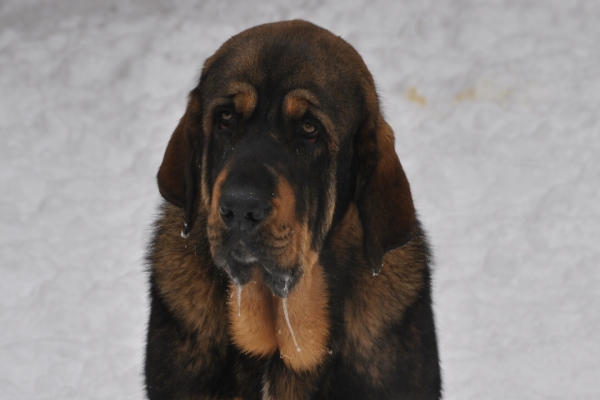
297 327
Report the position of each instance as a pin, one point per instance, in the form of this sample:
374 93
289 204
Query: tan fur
309 318
296 103
186 287
261 328
283 220
245 98
253 330
215 223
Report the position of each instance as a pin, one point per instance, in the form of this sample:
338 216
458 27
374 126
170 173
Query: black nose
243 209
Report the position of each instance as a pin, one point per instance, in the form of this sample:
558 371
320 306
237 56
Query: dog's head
281 135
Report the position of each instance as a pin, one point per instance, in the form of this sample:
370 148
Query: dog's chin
281 281
239 269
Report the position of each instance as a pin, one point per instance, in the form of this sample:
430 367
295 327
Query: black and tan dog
301 271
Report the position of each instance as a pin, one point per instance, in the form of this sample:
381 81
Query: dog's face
279 117
280 136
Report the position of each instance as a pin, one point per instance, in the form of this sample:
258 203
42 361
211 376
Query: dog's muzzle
244 211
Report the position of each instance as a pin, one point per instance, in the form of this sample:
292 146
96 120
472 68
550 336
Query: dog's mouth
281 281
241 261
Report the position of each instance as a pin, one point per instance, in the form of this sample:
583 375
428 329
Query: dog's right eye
226 120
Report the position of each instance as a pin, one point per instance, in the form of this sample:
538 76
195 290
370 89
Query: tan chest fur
258 323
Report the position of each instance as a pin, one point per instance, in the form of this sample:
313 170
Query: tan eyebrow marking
245 98
296 102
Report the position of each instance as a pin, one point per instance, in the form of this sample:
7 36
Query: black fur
190 353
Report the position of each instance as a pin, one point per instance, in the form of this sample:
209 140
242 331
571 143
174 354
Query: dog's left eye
226 120
310 131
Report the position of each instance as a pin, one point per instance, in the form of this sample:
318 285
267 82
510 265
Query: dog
288 261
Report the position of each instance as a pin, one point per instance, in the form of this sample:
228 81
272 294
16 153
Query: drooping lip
240 261
240 267
281 281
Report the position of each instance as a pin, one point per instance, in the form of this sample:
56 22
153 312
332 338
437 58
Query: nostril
242 210
255 216
226 212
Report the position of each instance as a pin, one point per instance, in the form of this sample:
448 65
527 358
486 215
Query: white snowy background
496 109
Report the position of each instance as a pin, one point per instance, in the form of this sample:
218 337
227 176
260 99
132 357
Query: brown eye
309 128
226 120
310 132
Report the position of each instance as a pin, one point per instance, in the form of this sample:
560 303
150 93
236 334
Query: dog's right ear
178 176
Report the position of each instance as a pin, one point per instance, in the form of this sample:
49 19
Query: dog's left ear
179 172
383 194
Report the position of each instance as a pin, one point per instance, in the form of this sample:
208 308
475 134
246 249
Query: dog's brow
243 96
244 103
296 102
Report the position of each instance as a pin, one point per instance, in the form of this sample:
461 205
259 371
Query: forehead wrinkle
236 90
297 101
332 138
219 101
208 112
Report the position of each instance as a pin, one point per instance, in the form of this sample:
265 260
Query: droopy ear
178 174
384 200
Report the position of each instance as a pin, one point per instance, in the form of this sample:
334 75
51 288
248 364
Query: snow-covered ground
496 108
